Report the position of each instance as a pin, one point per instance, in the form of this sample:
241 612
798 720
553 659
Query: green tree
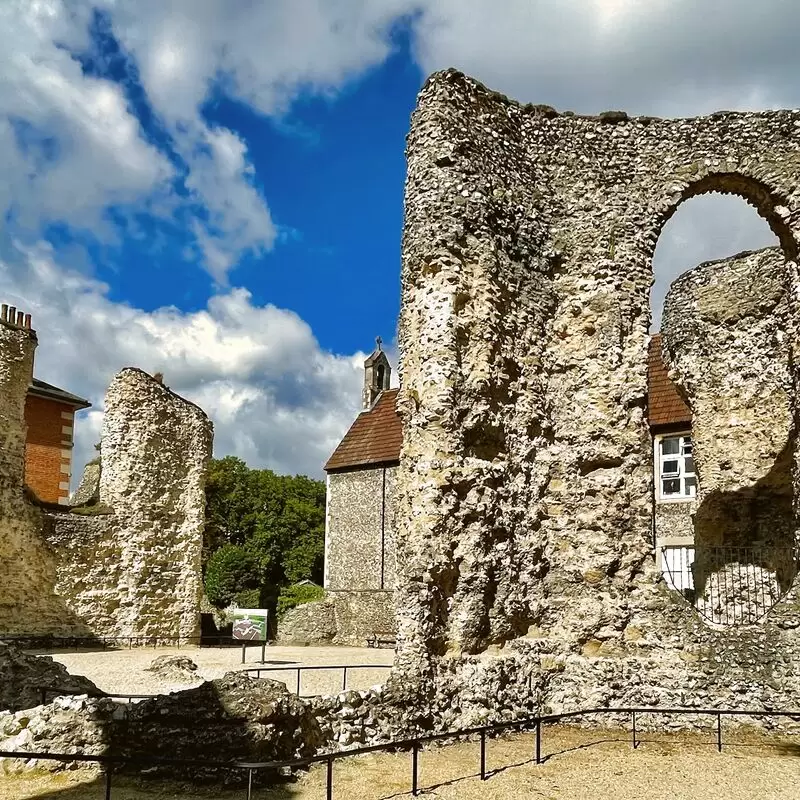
278 520
230 571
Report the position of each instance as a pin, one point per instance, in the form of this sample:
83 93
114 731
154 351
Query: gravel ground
580 765
125 670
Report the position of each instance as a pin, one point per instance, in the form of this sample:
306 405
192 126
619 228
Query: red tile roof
664 405
377 434
374 438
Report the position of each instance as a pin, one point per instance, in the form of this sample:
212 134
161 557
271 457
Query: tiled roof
664 405
377 434
374 438
47 390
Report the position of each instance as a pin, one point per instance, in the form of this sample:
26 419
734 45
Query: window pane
688 465
671 486
670 447
687 447
670 467
691 487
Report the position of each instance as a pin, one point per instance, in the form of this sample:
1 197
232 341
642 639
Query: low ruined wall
88 551
28 602
133 572
342 618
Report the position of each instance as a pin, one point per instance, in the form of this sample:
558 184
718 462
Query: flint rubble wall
524 521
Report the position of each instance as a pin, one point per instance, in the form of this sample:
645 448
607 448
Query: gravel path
580 765
125 670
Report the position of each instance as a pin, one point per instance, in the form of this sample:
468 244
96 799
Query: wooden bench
382 639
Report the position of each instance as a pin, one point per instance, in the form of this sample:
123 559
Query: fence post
329 794
483 754
108 780
538 740
44 696
244 647
414 760
298 681
249 783
344 679
635 743
719 733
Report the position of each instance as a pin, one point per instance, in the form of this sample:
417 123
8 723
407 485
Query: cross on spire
378 342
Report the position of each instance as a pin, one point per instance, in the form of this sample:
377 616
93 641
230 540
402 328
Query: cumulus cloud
73 147
275 397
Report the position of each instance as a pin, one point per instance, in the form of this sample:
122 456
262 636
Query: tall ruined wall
524 509
27 599
155 448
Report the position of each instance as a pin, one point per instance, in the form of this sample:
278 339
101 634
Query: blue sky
214 189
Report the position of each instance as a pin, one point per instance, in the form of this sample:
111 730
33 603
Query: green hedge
292 596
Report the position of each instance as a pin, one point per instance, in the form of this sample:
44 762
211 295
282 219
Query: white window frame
682 475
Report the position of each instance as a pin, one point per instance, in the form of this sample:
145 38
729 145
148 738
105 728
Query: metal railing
68 691
28 641
414 744
315 667
731 585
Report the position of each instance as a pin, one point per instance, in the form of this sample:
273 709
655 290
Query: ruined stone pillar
155 448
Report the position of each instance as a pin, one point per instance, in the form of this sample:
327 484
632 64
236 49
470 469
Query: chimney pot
20 319
12 315
27 322
4 312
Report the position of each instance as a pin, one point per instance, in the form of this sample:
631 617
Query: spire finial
378 342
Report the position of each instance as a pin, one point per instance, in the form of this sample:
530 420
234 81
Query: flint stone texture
524 514
28 601
342 618
22 676
78 725
155 449
724 337
359 561
88 491
133 572
175 668
234 718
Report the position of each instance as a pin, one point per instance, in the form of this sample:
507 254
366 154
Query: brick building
50 417
359 526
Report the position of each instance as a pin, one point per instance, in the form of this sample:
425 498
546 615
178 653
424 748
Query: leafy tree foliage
263 531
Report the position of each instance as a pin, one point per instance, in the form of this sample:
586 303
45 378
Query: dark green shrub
230 571
248 598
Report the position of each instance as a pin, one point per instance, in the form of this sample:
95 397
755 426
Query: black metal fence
29 641
731 585
299 670
46 692
414 745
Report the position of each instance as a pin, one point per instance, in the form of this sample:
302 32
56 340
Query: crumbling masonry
524 523
130 564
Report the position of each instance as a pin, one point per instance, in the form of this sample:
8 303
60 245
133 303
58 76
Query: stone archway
524 486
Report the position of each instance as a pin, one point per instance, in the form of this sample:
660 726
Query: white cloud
275 397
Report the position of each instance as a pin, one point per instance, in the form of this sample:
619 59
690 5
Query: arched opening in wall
719 402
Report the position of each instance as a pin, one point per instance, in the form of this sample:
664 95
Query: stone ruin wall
525 566
724 335
134 569
29 568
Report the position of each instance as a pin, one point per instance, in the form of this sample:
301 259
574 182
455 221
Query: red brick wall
46 443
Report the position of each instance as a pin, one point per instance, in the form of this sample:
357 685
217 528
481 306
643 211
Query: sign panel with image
250 624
